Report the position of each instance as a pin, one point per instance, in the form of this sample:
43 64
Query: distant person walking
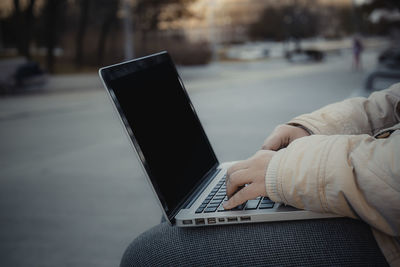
357 50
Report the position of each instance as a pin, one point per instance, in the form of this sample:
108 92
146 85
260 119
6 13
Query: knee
149 248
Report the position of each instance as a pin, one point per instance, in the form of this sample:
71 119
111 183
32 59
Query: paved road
71 190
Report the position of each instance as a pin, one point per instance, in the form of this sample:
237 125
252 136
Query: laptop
174 151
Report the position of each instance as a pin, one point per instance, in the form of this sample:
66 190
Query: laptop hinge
201 188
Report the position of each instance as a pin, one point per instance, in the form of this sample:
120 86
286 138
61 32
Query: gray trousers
327 242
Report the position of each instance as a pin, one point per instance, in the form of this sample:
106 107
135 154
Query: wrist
272 181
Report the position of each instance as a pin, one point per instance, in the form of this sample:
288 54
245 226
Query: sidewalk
73 82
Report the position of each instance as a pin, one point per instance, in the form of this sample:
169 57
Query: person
342 159
357 51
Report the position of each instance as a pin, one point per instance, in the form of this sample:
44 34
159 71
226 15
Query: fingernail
225 204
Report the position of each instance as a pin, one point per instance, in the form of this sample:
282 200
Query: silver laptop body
174 151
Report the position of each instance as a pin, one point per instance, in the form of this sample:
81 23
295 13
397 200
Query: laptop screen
164 128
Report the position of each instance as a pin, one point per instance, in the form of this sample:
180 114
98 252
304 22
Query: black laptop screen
163 126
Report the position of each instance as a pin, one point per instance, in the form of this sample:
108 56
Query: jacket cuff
305 125
300 126
272 183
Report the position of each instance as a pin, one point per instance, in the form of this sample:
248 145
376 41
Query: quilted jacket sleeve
356 115
352 175
342 168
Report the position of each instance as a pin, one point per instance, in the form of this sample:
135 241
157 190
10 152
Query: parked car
19 74
390 58
304 55
388 70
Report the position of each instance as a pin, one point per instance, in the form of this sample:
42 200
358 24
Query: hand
251 172
282 136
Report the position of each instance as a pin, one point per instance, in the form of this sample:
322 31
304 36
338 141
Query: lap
310 242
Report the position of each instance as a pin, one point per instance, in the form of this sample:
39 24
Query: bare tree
18 23
24 21
110 18
29 24
294 21
147 14
54 11
381 4
82 26
383 25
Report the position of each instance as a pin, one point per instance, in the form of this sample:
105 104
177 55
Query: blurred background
72 192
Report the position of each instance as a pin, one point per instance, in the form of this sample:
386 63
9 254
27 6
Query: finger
273 142
244 164
236 180
241 196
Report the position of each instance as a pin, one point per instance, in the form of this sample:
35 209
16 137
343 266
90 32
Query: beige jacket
349 166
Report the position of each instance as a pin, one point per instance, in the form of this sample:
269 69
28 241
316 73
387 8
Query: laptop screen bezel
112 72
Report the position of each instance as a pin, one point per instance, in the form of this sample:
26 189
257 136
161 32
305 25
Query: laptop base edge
225 218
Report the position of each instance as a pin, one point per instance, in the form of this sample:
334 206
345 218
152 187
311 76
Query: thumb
273 142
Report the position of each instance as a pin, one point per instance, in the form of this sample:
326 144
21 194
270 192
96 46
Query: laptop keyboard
214 200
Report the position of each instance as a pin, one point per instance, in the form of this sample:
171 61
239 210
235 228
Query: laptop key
205 202
266 206
199 210
240 207
221 208
211 209
252 204
266 200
